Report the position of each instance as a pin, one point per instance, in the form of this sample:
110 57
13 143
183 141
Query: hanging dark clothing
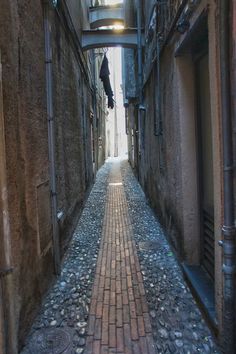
104 76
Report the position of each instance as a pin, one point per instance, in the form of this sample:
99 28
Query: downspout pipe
95 121
8 328
140 69
116 152
158 124
228 228
139 47
51 133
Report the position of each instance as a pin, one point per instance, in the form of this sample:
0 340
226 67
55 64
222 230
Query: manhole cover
51 341
148 245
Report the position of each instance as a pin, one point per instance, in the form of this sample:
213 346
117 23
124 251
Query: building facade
179 146
179 88
52 115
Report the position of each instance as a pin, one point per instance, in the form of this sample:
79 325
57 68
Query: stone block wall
166 161
24 108
160 155
72 105
26 134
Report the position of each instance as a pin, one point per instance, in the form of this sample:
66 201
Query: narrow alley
117 176
121 288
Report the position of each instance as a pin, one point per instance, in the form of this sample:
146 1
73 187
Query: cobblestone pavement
178 326
62 325
119 320
67 304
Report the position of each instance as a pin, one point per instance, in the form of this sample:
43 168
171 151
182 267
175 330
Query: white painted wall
115 67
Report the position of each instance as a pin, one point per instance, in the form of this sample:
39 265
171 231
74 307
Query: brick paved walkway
118 320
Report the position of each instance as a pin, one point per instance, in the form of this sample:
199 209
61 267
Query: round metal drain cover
149 245
51 341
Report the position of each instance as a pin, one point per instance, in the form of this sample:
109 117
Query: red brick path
119 320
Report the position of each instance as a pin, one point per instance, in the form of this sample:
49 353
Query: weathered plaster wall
167 165
26 132
26 147
73 104
234 84
129 62
163 183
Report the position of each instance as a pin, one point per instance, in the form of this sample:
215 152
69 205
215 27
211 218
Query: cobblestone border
178 326
67 302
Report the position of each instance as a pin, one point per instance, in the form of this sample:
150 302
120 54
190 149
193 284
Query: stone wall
26 132
166 161
234 84
160 155
24 103
73 105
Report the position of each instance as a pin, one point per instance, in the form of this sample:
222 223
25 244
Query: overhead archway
109 38
100 16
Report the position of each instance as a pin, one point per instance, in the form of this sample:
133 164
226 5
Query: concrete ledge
203 289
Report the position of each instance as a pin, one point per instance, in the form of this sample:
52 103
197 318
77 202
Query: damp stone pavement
121 289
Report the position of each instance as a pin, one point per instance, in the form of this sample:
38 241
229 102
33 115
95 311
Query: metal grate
149 245
208 244
51 340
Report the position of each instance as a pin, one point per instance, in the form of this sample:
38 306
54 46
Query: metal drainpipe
95 131
158 127
229 224
51 134
116 150
8 335
2 323
140 68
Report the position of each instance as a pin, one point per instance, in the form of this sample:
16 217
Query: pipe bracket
229 248
228 231
5 272
229 168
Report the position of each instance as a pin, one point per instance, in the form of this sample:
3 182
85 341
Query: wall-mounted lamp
183 26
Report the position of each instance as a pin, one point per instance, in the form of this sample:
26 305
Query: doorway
205 163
